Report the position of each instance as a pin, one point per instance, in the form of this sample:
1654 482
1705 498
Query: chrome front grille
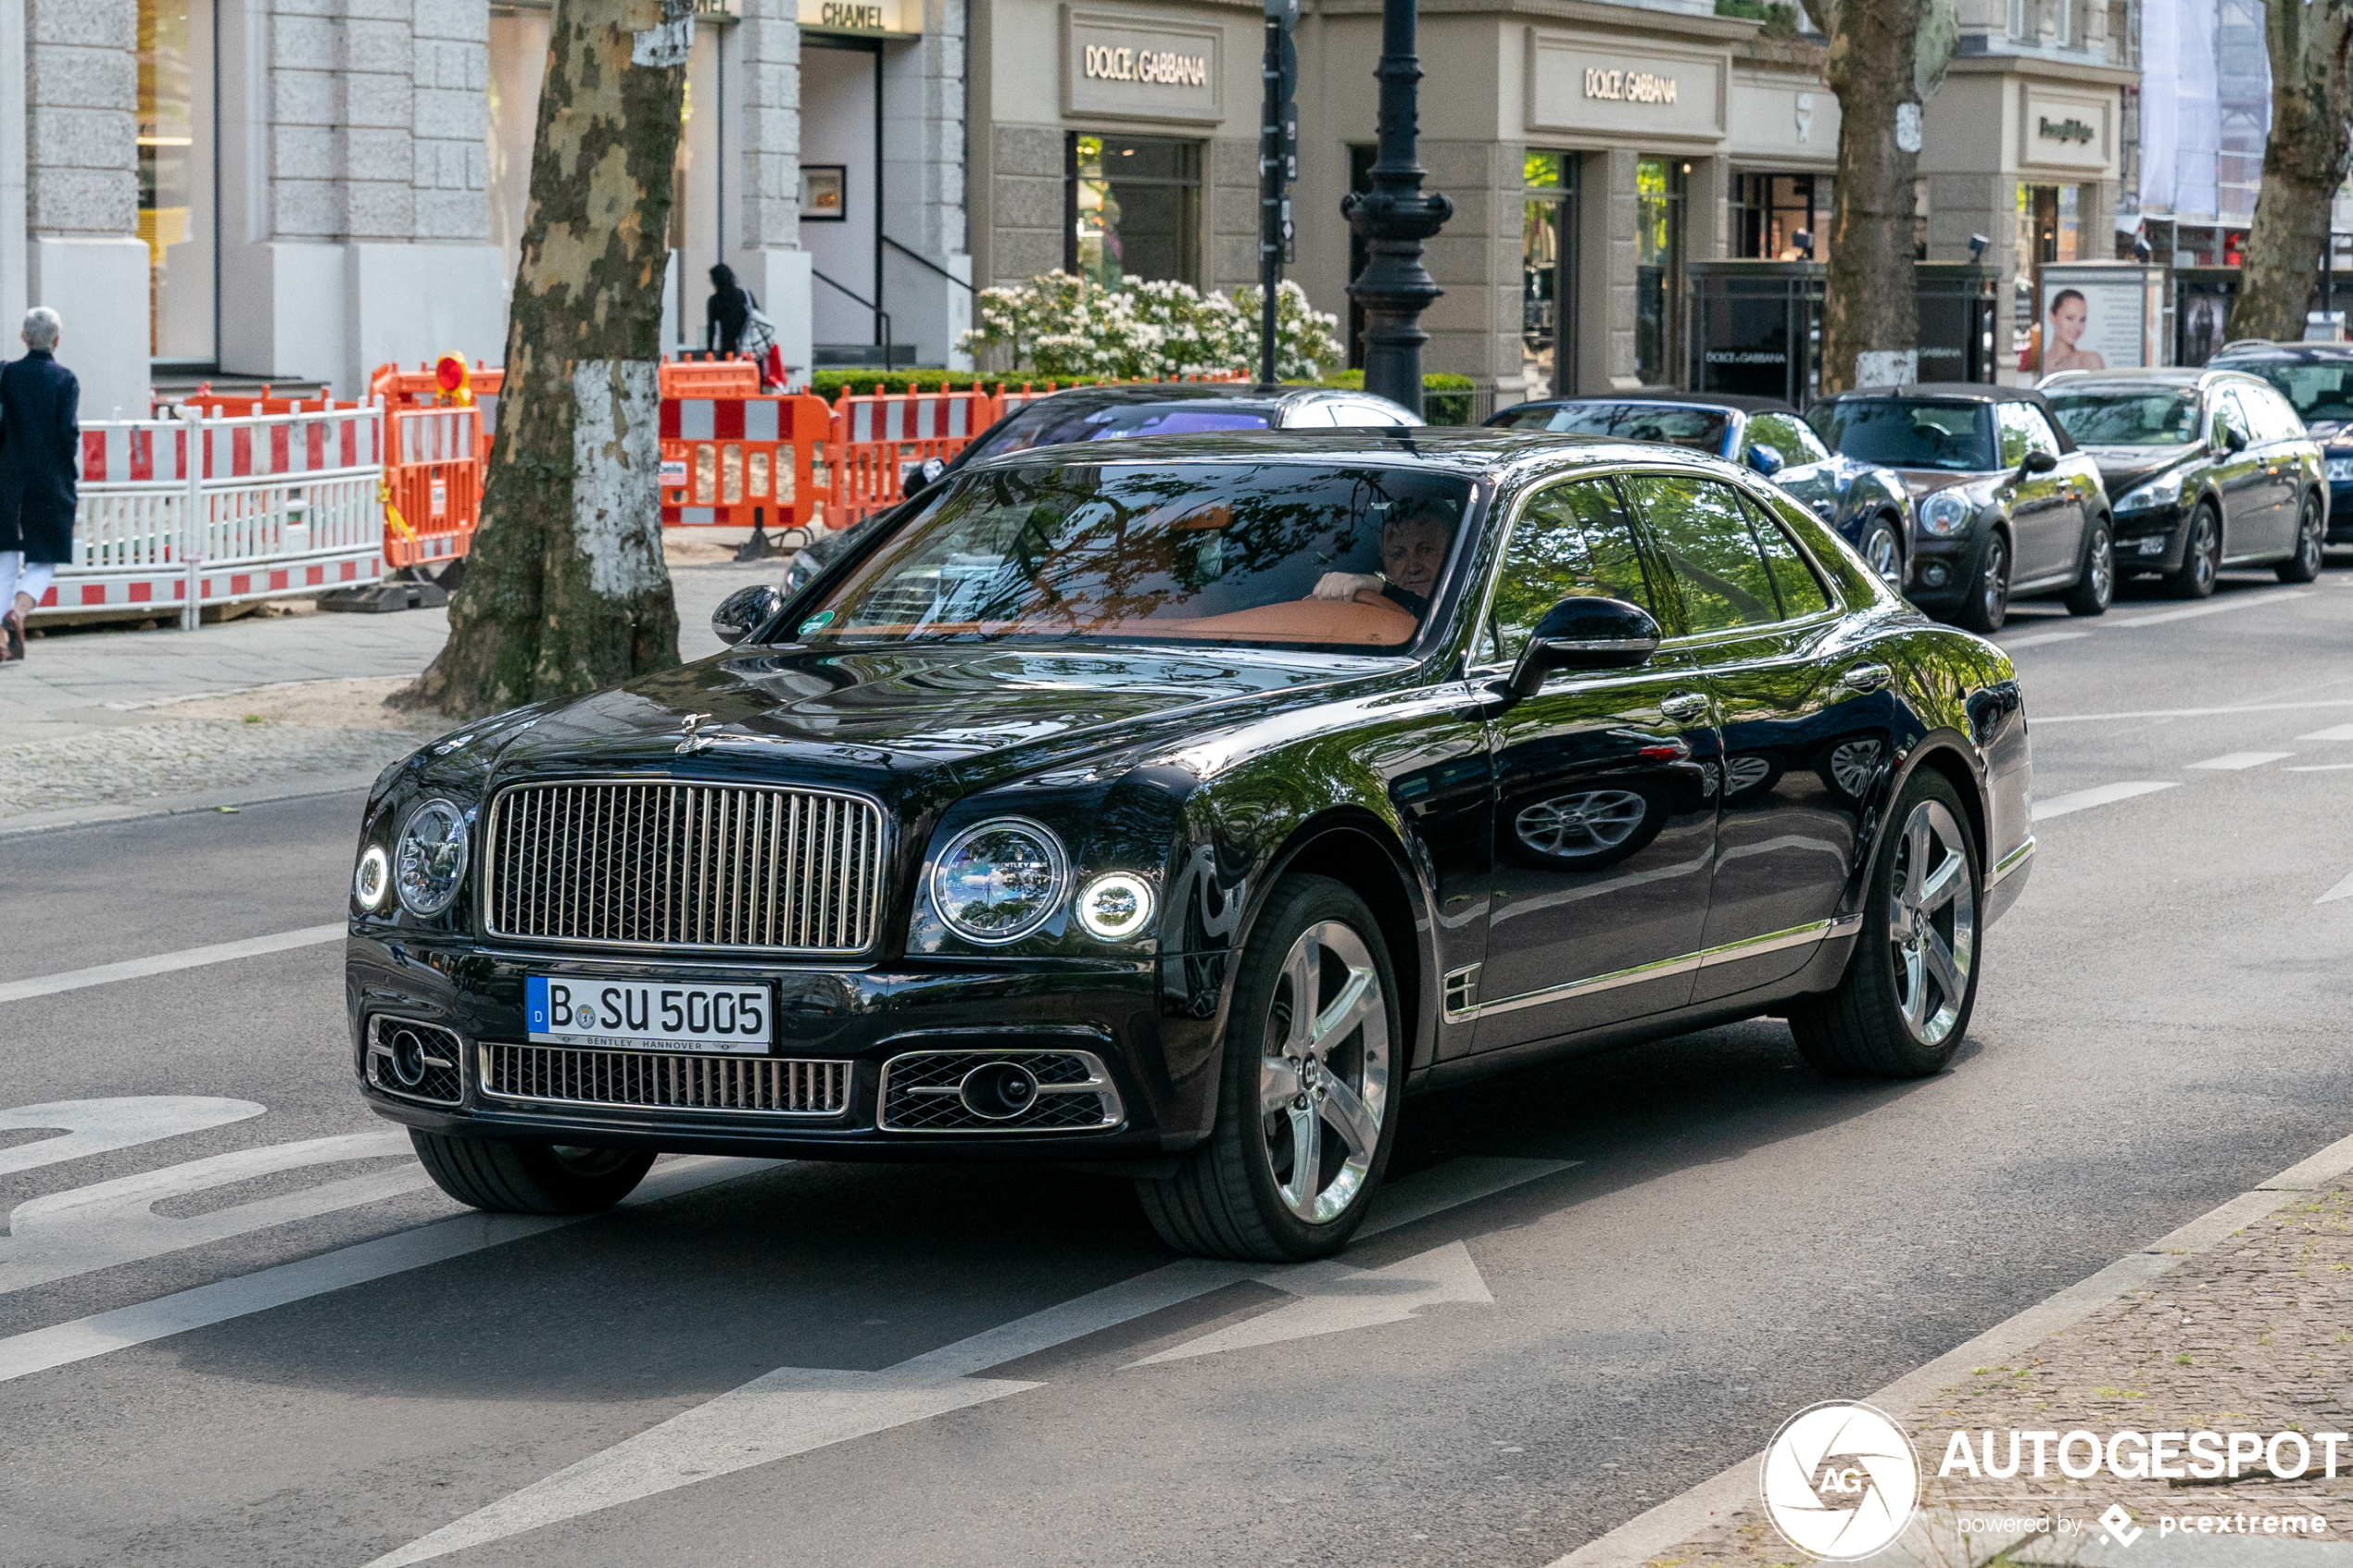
664 1080
683 865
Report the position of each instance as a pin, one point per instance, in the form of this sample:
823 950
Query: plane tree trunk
1886 57
2304 162
566 589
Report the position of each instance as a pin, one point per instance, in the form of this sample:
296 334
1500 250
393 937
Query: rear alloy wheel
2201 558
529 1178
1307 1102
2311 530
1882 550
1988 604
2097 585
1904 1003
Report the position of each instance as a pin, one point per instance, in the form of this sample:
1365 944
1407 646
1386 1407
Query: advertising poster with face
2093 323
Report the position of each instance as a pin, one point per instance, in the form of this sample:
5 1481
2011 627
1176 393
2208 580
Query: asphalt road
1597 1284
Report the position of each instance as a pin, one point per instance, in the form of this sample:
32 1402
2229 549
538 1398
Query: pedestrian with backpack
733 323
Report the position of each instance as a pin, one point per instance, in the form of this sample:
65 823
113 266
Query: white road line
2319 768
2239 761
24 1354
794 1409
164 963
2040 638
2342 890
2334 731
2060 805
2190 712
2239 602
93 1126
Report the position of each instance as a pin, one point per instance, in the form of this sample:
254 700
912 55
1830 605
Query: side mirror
2235 440
742 612
931 469
2038 462
1584 634
1765 460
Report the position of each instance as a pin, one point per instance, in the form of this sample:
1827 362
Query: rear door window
1700 528
1800 592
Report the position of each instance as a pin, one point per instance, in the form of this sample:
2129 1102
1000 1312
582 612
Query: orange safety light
455 379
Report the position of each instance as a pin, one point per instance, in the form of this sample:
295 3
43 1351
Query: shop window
1548 274
1131 209
176 173
518 62
1658 266
1775 209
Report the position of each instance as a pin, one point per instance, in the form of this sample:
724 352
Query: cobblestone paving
2254 1336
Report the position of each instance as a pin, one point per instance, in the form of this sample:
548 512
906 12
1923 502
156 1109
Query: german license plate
650 1015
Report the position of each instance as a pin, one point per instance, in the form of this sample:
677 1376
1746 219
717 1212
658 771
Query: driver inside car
1413 550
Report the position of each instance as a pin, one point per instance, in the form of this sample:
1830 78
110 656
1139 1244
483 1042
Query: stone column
84 256
771 263
924 186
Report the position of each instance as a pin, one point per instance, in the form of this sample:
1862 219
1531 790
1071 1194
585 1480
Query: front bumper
2340 512
1149 1022
1939 571
2150 539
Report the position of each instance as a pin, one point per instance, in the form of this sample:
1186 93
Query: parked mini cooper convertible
1182 805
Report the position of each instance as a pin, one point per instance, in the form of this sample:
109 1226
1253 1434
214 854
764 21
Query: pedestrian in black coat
39 436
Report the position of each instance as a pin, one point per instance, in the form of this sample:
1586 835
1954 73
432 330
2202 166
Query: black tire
1987 602
2201 557
529 1178
1862 1029
1227 1199
2096 587
2310 543
1882 547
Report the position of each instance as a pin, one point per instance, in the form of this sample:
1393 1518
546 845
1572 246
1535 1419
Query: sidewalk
96 716
2253 1335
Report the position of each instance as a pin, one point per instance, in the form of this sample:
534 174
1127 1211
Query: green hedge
1445 398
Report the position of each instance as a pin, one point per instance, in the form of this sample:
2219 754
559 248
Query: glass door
1659 268
1548 275
176 179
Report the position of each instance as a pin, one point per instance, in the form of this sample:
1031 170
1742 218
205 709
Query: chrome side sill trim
1845 925
2011 862
1665 969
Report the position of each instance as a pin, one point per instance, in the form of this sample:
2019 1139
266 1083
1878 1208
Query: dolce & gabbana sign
1628 86
1125 68
1614 86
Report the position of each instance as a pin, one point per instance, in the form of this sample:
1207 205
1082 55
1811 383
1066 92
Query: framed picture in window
824 193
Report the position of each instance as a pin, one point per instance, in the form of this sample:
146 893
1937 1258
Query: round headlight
1116 906
1947 512
373 879
430 859
999 881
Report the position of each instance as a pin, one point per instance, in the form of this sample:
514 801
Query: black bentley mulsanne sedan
1181 806
2204 469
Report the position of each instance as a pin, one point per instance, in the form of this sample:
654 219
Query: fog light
1116 907
2154 545
408 1057
999 1089
1935 574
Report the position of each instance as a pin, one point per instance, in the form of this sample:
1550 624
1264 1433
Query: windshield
1701 429
2145 418
1266 553
1906 434
2319 391
1051 423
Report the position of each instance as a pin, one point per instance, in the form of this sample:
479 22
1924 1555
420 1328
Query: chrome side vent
415 1060
999 1091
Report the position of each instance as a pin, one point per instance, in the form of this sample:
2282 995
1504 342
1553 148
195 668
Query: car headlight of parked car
2340 469
429 862
1947 512
1000 880
2163 491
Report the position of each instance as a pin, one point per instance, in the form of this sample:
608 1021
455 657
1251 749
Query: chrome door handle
1683 705
1866 677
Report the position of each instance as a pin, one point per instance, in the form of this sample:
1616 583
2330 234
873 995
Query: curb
301 788
1680 1518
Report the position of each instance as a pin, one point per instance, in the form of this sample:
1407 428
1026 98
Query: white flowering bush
1059 326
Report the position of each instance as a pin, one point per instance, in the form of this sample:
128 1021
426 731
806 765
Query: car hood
1923 482
2121 468
2337 434
867 717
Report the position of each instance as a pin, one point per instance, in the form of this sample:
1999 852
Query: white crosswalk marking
93 1126
2238 762
2042 639
2334 731
2342 890
2223 607
2062 805
165 963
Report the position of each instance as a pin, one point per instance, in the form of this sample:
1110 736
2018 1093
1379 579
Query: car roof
1945 392
1221 394
2257 350
1745 402
1474 452
2159 375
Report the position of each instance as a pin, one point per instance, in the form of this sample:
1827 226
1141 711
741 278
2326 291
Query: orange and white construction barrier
742 461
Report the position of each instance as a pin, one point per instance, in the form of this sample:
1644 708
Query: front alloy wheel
1903 1005
1988 604
1884 552
2304 564
1307 1102
2097 585
2201 558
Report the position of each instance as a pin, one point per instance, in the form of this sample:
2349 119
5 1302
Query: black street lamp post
1393 219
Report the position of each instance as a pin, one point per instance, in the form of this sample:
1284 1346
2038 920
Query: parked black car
1184 803
2317 380
1109 413
1867 504
2204 469
2003 504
